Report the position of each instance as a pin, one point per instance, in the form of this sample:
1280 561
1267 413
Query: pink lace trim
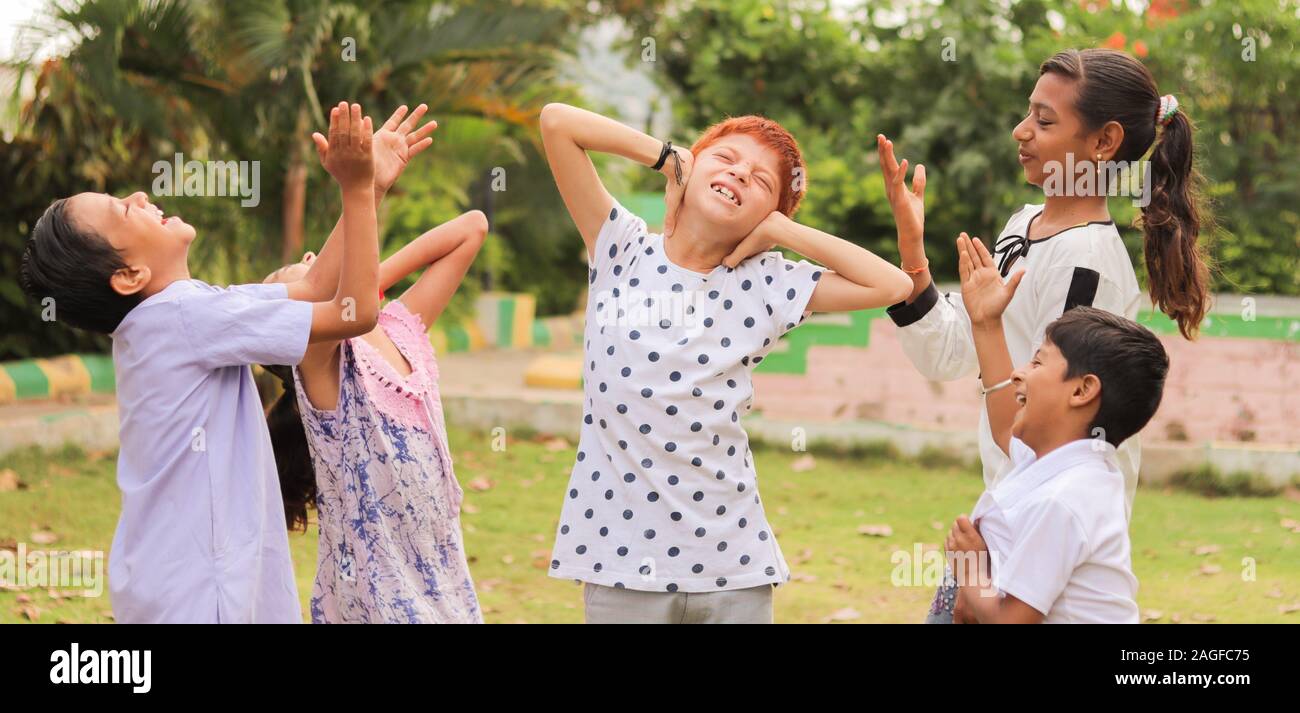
402 398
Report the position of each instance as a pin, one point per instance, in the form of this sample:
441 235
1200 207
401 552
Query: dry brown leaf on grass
30 613
1152 615
804 463
875 530
44 537
845 614
556 444
1291 608
1205 550
1209 569
468 508
9 481
480 484
1204 618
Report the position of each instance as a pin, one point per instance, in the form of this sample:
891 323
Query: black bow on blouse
1009 249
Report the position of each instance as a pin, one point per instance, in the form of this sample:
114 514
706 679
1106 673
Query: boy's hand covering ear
983 292
761 239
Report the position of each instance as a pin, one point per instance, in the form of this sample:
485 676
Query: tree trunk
294 203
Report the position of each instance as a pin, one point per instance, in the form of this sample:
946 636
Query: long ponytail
292 456
1114 86
1171 222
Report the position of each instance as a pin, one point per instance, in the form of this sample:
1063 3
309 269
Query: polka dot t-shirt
663 496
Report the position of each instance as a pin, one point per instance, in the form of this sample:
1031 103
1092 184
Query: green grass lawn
1188 550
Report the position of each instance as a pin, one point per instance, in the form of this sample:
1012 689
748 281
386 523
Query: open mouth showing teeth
1020 398
725 193
159 214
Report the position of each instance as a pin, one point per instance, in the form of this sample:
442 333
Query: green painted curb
29 381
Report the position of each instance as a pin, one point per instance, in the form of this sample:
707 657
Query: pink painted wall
1219 389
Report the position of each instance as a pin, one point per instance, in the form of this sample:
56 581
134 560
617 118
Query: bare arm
987 606
986 297
908 207
568 133
447 250
977 599
859 279
394 146
354 309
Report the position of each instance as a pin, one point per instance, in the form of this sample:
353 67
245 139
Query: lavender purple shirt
202 535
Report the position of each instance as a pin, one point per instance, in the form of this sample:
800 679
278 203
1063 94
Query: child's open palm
983 292
907 205
397 142
347 154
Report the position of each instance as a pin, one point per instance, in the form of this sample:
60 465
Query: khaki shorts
610 605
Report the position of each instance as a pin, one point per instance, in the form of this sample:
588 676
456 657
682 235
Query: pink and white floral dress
390 548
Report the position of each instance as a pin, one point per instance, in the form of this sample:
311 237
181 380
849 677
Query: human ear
1087 390
129 280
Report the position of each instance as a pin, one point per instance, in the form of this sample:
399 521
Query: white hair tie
1168 107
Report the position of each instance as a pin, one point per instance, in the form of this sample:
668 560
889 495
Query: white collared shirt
1058 535
1086 265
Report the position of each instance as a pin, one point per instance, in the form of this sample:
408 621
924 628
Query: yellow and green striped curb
561 332
554 371
68 375
501 319
506 318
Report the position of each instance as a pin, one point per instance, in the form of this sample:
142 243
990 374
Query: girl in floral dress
360 431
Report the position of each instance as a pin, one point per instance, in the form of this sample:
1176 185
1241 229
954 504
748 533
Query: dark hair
1114 86
292 457
1126 357
74 266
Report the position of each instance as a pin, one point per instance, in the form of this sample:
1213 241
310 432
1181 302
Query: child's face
1051 130
292 272
742 166
1045 396
138 230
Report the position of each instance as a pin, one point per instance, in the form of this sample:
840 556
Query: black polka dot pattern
673 505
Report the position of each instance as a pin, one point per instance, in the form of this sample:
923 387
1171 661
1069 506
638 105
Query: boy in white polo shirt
1050 542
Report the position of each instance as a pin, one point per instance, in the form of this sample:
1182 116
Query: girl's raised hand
983 292
397 142
347 154
908 206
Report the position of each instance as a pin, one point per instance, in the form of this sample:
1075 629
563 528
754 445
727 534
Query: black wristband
663 156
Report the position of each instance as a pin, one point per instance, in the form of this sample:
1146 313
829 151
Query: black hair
74 266
292 456
1128 360
1115 86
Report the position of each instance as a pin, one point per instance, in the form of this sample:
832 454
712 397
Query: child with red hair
662 519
